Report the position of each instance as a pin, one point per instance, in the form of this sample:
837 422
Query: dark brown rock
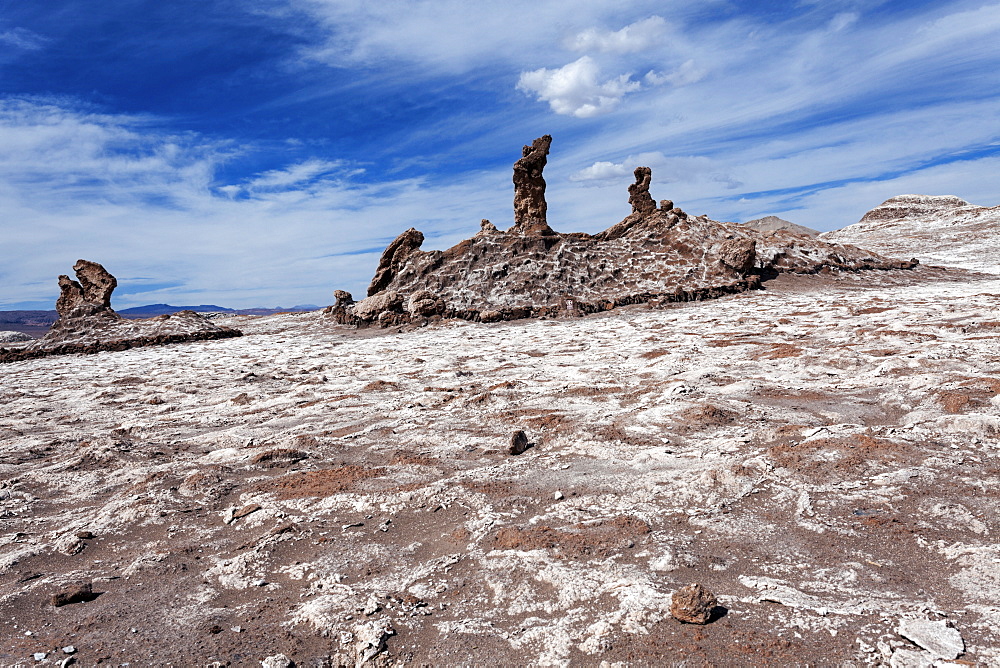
394 255
638 193
75 594
693 604
518 443
529 189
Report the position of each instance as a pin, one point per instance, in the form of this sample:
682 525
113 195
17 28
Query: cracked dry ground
822 455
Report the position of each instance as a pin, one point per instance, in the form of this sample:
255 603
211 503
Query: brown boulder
739 254
529 189
693 604
424 303
518 443
371 308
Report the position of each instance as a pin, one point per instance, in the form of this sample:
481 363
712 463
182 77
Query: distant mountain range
36 322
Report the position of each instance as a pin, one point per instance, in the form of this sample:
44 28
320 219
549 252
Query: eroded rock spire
638 192
529 189
89 294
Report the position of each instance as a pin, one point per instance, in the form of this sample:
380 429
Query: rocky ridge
88 324
657 254
938 229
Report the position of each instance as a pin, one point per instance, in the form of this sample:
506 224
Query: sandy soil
822 455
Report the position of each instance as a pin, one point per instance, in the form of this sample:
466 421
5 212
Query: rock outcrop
530 206
936 229
638 193
88 324
653 255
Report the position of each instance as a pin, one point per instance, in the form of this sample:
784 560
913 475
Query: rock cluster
88 324
656 254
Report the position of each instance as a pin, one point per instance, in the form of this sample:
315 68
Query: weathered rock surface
88 324
936 229
693 604
654 255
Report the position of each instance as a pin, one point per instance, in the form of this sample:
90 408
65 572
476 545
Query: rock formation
392 257
937 229
88 324
653 255
638 193
89 295
529 189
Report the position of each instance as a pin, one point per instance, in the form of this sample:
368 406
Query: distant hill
150 310
773 223
936 229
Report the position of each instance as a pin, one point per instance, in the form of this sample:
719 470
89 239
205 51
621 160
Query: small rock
937 638
277 661
85 535
69 649
39 656
558 496
77 594
518 443
693 604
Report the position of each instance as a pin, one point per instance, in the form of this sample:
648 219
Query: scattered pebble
69 649
558 496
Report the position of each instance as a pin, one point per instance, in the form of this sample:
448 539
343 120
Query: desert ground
822 455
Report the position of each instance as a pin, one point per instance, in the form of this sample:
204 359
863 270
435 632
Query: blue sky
261 153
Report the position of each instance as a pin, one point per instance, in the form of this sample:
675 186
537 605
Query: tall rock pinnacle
529 189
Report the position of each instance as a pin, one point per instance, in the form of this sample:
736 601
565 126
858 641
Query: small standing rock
518 443
77 594
693 604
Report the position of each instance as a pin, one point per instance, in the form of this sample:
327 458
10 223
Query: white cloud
601 171
687 73
22 38
576 89
637 36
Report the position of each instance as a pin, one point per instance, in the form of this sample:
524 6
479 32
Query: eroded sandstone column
638 192
529 189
